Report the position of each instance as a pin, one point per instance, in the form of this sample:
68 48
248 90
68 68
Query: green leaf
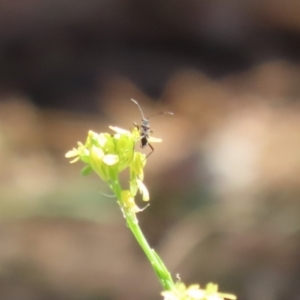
86 170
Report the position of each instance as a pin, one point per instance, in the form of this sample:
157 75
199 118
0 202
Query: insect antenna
161 113
134 101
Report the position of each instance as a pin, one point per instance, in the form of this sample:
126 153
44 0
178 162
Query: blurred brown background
224 184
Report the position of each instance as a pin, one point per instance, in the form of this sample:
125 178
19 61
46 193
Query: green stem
160 269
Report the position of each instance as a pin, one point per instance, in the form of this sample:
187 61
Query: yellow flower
128 202
108 155
193 292
213 294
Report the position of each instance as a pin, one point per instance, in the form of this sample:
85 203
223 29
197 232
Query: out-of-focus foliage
224 183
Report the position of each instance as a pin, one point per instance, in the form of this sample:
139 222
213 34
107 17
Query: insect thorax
145 123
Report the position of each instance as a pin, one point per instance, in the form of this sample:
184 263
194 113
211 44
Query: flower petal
143 190
119 130
110 159
74 160
154 140
71 153
97 153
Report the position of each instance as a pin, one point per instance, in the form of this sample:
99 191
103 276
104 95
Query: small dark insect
144 128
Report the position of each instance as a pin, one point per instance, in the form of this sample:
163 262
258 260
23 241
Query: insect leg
152 150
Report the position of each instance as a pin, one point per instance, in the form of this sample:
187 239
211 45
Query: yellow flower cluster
193 292
108 155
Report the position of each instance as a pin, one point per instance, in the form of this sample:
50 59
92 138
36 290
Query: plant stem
161 271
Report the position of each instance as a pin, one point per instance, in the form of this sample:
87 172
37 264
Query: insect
144 128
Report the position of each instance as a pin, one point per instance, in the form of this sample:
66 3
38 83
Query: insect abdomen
144 141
